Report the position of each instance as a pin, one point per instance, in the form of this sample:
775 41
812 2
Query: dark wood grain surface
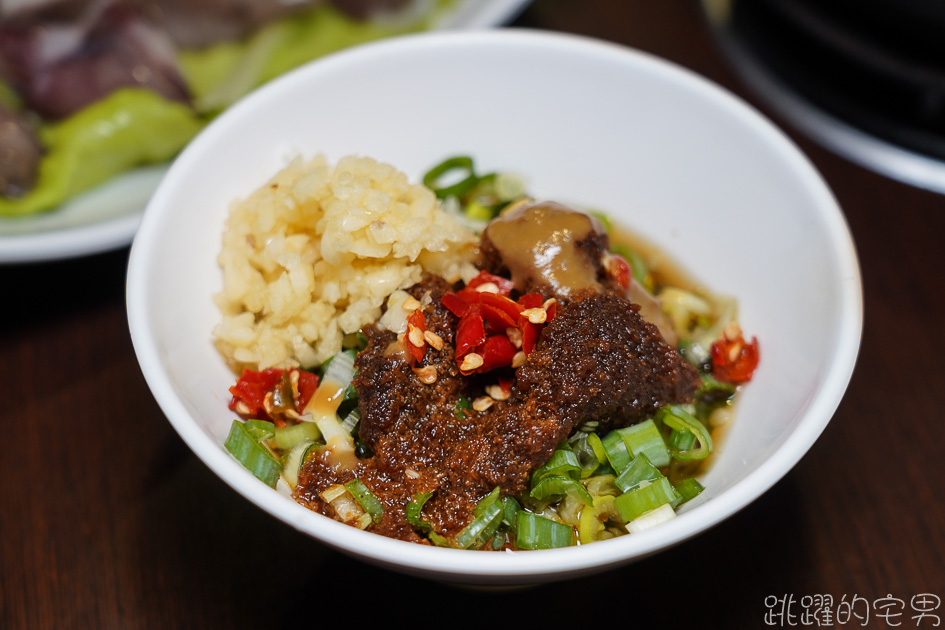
109 521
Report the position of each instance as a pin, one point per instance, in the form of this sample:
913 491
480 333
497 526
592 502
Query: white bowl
669 154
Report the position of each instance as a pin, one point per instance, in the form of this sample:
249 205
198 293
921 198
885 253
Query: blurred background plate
107 217
863 78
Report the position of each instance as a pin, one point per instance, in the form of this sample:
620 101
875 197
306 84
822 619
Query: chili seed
433 339
514 335
519 359
497 393
732 331
415 335
426 374
488 287
410 304
294 382
482 403
242 408
470 362
536 315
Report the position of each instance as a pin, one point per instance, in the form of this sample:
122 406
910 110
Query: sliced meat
60 66
20 152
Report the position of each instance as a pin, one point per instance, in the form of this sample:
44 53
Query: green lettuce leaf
221 74
136 127
128 128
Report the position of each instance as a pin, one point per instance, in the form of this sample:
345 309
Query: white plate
108 216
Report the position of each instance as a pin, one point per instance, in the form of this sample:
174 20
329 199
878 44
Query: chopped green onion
712 395
689 488
366 499
340 368
351 420
251 453
462 163
294 460
696 353
555 487
562 462
508 187
680 440
462 405
591 525
678 419
618 454
645 498
510 510
645 438
589 458
413 509
483 527
652 518
606 222
600 485
639 471
259 430
477 211
412 513
291 435
537 532
487 500
683 307
600 452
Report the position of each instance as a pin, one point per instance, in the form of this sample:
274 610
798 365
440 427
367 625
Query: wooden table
109 521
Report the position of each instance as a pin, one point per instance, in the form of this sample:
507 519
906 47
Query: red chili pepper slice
470 332
251 389
455 304
496 319
485 316
504 304
734 360
531 300
496 352
619 269
530 334
308 383
504 284
416 321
